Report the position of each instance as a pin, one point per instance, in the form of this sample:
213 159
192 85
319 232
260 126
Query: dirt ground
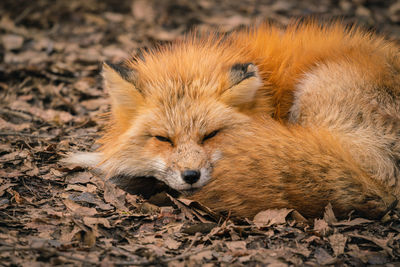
50 101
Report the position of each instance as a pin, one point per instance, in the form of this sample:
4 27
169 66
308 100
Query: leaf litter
51 101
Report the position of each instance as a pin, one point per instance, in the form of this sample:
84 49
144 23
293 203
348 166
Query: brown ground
50 94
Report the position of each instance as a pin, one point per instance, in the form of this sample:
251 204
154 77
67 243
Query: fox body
269 165
261 118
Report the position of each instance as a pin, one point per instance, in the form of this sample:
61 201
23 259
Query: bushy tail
84 159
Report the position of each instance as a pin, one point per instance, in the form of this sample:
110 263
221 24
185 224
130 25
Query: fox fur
268 165
268 117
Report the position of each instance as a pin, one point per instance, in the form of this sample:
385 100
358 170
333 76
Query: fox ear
120 82
124 72
244 81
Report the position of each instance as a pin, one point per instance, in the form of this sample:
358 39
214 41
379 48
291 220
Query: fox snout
188 167
190 176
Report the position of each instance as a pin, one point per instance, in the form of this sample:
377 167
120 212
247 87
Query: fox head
170 110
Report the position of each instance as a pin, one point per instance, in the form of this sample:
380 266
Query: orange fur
267 165
339 87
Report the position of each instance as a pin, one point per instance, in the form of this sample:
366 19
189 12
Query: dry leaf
90 221
78 209
16 196
271 217
322 227
236 245
4 187
356 221
115 196
79 177
338 243
206 255
172 244
323 257
329 215
383 243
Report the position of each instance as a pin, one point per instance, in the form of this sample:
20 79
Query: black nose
191 176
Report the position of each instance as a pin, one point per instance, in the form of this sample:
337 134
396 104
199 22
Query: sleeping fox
262 118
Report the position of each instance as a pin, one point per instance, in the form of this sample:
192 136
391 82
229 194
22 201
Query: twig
23 14
25 135
17 113
30 190
50 251
158 261
11 217
196 238
47 136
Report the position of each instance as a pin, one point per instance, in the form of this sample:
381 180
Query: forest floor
51 97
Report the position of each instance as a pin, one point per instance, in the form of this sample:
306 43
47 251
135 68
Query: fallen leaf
16 196
5 125
329 215
356 221
92 199
79 177
202 255
382 243
14 156
12 41
203 228
236 245
94 104
189 213
90 221
78 209
115 196
200 208
143 10
271 217
171 243
322 227
323 257
4 187
338 243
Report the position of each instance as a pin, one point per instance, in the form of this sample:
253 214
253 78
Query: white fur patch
217 155
301 87
204 178
175 181
84 159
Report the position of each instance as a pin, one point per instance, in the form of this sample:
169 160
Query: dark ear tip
242 71
241 66
126 73
244 67
117 67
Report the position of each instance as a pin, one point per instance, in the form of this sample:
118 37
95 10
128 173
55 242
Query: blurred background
111 29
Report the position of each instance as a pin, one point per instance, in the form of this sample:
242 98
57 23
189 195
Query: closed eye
164 139
210 135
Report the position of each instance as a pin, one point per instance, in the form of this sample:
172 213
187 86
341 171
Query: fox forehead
187 118
173 91
198 66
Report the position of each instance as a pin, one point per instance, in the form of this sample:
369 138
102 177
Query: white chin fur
175 181
84 159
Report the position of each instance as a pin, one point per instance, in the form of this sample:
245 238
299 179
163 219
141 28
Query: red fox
261 118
